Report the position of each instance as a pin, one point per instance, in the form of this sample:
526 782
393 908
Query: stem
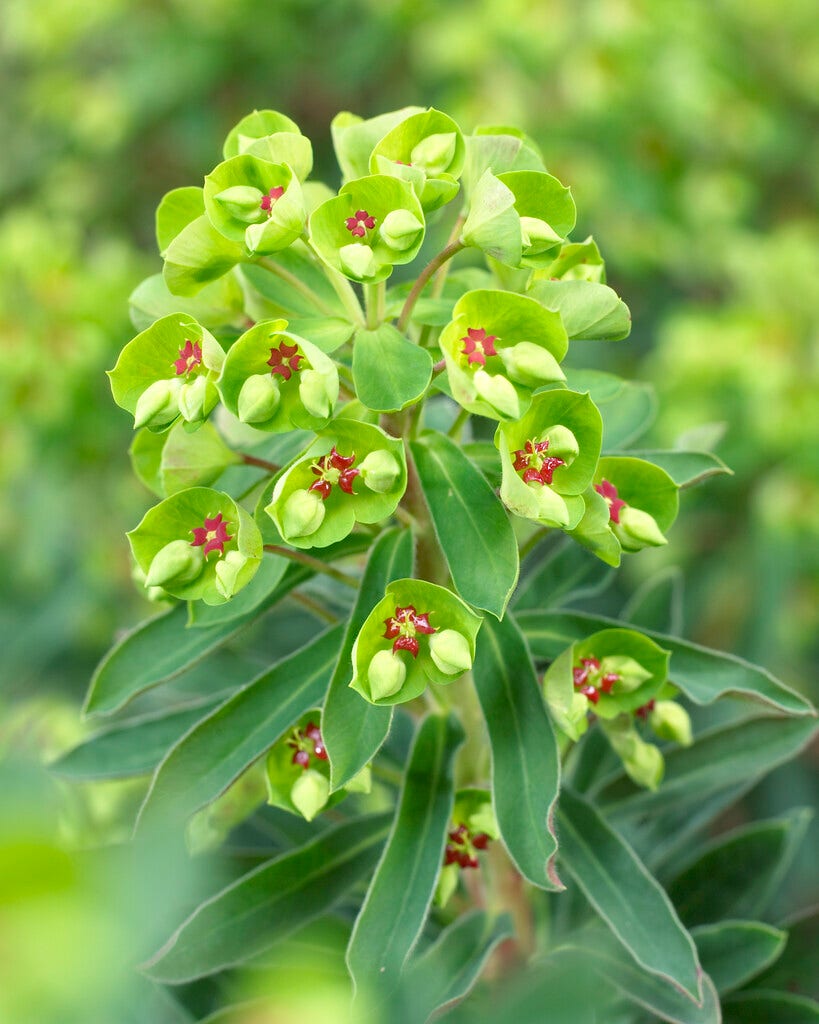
315 607
458 425
251 460
532 542
376 303
434 264
296 284
314 563
440 277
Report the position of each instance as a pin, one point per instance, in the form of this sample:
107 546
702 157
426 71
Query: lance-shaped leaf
733 952
353 729
401 891
559 576
270 903
628 406
389 372
625 895
221 746
766 1007
525 762
589 310
702 674
271 295
686 469
470 522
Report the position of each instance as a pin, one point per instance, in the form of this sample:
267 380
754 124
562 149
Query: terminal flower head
359 223
284 360
270 198
533 465
212 536
333 469
190 357
615 503
478 345
403 627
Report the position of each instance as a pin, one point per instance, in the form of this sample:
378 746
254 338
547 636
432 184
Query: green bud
530 364
254 235
562 443
643 761
498 392
435 152
400 229
631 672
484 820
313 394
362 782
670 721
358 260
242 202
537 235
258 399
637 529
386 674
176 564
227 572
310 793
450 652
192 398
447 884
303 514
379 470
158 404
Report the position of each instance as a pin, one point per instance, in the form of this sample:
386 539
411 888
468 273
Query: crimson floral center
270 199
284 360
534 465
359 224
334 470
478 345
403 627
645 710
307 743
461 846
212 536
190 356
590 681
613 500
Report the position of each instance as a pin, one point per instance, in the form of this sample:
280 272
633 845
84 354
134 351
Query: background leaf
389 372
733 952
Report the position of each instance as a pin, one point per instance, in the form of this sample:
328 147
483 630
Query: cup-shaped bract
427 150
357 231
400 629
498 348
277 381
271 136
498 148
256 202
354 138
548 458
219 532
320 496
168 370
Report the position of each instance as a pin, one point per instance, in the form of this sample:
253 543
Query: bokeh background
689 132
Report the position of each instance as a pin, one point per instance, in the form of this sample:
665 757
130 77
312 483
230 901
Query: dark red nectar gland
272 196
307 743
285 360
461 846
644 711
533 465
212 536
333 470
589 680
403 627
360 223
615 503
190 356
478 345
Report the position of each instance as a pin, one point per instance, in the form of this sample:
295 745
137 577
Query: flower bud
562 444
670 721
158 404
379 470
530 364
313 394
386 674
310 793
631 672
637 529
242 202
498 392
303 514
483 820
176 564
447 884
450 652
192 398
400 229
358 260
227 572
254 235
435 152
537 235
645 764
258 399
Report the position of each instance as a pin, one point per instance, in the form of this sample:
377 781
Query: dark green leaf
766 1007
733 952
525 762
795 970
628 407
657 603
389 372
471 523
564 573
686 469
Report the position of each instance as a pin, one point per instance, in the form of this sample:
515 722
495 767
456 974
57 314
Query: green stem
532 542
434 264
375 303
456 428
296 284
314 563
251 460
315 607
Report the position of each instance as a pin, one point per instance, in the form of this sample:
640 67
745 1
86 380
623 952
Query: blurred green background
688 130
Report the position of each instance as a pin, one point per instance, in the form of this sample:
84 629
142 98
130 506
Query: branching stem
313 563
434 264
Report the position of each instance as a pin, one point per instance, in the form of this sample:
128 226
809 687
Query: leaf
176 210
686 469
658 602
565 573
733 952
525 762
397 902
326 333
134 748
628 407
765 1007
191 459
352 728
737 875
630 901
702 674
390 372
470 522
270 903
279 297
226 742
589 310
492 224
198 255
217 304
795 970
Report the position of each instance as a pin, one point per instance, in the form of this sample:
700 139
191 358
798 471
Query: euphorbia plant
409 492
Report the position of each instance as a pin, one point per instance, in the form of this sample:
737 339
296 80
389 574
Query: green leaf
355 138
134 748
686 469
565 573
795 970
733 952
176 210
327 333
625 895
702 674
525 762
272 295
353 729
397 902
628 407
589 310
390 372
658 603
492 223
737 875
270 903
470 522
198 255
193 459
213 754
764 1007
218 304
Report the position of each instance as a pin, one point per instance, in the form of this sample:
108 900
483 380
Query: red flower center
267 201
285 360
360 223
478 345
307 743
212 536
589 680
615 503
644 711
190 356
403 627
461 846
331 470
533 465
